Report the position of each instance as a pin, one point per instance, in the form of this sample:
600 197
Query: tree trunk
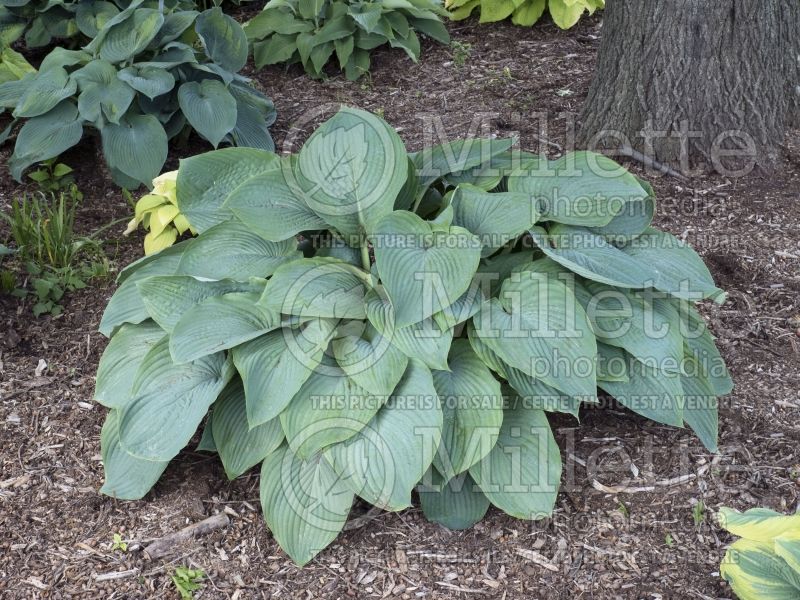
692 82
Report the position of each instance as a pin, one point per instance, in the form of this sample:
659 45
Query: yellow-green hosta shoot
158 213
765 563
363 321
565 13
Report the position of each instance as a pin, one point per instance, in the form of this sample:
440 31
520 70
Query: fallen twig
624 489
651 162
114 575
164 545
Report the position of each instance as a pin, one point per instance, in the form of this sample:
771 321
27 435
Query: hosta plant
765 562
13 66
146 77
565 13
158 213
366 322
316 32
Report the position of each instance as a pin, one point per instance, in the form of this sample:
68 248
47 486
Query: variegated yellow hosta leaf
787 546
755 572
758 524
158 212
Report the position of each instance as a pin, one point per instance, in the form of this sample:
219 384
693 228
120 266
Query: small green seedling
52 177
187 581
669 541
699 513
461 52
118 543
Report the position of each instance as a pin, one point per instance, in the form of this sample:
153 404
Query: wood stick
651 162
164 545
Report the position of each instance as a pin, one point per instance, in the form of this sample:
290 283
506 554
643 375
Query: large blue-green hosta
366 322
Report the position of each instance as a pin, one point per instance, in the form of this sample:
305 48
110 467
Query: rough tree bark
673 76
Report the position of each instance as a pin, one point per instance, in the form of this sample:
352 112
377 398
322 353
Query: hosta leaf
384 461
700 406
425 341
128 38
472 405
754 570
654 259
150 81
456 504
237 253
423 269
305 503
758 524
538 327
277 215
370 359
102 92
43 92
209 107
126 477
254 114
275 365
126 305
587 189
655 394
529 12
166 298
455 157
120 362
169 402
219 323
92 16
46 136
205 181
239 446
317 287
565 14
520 476
137 146
328 408
223 38
206 443
702 348
633 220
787 546
351 170
495 218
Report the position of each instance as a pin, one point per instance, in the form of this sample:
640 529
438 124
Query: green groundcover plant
765 562
565 13
315 32
148 75
367 322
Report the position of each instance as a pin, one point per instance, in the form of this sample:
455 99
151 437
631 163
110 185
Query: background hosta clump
146 77
565 13
363 322
313 32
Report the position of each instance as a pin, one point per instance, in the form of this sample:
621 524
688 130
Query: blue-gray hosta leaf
241 447
126 305
209 107
275 365
580 188
168 297
538 327
700 405
654 259
369 359
426 341
655 394
276 215
238 253
520 476
126 476
456 158
495 218
305 503
329 408
46 136
632 221
43 92
169 402
384 461
174 25
219 323
102 93
94 46
205 181
120 362
254 114
125 40
351 170
472 405
700 345
317 287
223 38
424 269
150 81
137 146
456 504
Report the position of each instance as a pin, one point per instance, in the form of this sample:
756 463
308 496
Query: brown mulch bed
57 529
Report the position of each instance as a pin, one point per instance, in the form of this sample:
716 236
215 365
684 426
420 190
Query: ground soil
601 542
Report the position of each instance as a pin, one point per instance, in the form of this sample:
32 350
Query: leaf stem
365 262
